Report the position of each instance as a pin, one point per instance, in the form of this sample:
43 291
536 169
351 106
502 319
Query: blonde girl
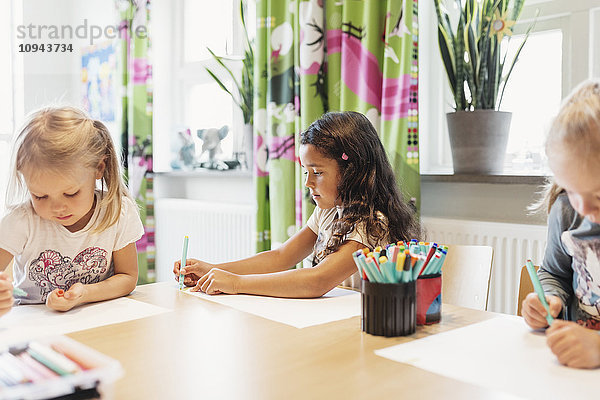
71 226
570 272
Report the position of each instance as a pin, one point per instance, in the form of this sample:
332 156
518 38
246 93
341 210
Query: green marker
183 261
19 292
538 289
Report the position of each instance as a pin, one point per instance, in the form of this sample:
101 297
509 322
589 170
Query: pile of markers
33 363
400 262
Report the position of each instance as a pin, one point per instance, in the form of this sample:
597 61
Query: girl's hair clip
344 156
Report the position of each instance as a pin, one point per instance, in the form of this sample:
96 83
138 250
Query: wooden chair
525 287
8 270
466 276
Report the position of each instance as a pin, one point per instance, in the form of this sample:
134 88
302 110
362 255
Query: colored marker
539 290
431 252
376 254
41 369
56 358
400 266
372 256
386 269
19 292
183 261
393 253
60 293
366 268
374 270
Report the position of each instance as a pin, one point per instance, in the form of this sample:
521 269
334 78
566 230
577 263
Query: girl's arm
120 284
294 250
298 283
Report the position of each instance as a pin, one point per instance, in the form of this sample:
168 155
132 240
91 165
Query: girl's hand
217 281
574 345
534 312
193 270
60 300
6 297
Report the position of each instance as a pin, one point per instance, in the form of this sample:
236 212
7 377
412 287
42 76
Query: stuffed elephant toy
211 142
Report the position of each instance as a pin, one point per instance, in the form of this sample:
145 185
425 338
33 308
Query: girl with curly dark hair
358 203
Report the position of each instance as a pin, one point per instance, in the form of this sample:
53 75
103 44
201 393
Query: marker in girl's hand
183 262
60 293
539 290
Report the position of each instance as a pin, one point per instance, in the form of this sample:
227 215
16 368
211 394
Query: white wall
221 187
56 77
47 77
480 201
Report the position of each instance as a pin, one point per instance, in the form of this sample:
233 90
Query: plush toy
211 142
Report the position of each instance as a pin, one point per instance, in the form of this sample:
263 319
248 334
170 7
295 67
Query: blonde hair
60 138
577 124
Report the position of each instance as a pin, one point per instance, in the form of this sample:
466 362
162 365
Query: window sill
481 178
200 172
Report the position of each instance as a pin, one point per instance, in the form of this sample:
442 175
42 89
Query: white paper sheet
27 322
333 306
502 354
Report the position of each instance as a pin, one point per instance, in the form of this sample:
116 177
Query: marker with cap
539 290
18 292
183 261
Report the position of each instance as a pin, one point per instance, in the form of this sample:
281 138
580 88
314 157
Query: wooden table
206 350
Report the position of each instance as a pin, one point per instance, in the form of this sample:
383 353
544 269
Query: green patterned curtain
316 56
136 128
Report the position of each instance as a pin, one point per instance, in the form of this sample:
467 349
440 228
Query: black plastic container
389 309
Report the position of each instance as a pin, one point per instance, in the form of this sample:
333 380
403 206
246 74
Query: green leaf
225 67
459 61
474 62
216 78
517 8
447 58
517 56
481 74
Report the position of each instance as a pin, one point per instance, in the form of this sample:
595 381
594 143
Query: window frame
15 87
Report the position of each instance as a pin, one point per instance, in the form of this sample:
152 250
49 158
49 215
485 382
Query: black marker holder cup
429 299
389 309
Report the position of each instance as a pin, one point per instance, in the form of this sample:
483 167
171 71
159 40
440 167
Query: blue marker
539 290
183 261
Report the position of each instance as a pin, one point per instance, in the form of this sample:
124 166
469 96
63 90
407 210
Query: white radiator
218 232
513 244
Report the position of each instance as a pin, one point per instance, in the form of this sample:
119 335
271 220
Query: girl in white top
358 203
72 242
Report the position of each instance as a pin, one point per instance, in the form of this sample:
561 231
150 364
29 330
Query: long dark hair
367 184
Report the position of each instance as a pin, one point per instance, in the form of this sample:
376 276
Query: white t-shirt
48 256
321 223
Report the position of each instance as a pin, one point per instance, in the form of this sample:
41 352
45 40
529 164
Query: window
533 95
206 23
185 94
6 100
558 55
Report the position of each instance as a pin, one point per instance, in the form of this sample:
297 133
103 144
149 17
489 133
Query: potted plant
476 69
243 95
